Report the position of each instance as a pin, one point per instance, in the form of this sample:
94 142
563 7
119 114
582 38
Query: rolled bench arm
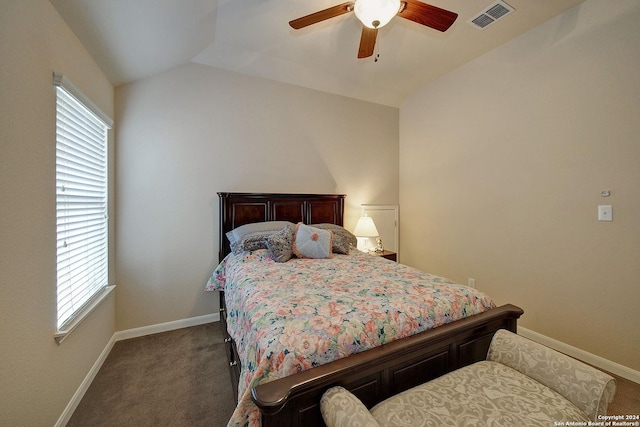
586 387
340 408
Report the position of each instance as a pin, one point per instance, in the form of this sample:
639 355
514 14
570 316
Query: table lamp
365 230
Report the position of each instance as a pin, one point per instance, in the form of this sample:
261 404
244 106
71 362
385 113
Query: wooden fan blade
322 15
425 14
367 42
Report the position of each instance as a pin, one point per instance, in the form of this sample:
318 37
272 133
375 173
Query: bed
279 384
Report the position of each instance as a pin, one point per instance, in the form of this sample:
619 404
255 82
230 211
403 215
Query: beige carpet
177 378
627 398
180 378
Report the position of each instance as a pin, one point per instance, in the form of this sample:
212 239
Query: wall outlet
605 213
472 282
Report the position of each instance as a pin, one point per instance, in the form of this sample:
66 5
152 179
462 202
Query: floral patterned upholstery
521 383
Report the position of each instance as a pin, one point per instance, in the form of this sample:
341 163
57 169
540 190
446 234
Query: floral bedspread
292 316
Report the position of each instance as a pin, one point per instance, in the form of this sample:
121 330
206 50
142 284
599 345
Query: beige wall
191 132
501 167
38 377
499 172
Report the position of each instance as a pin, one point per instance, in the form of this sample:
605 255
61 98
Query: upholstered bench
522 383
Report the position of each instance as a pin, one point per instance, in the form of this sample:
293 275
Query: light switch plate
605 213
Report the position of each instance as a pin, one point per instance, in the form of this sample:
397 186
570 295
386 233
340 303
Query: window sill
61 334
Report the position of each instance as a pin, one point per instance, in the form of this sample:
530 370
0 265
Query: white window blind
81 201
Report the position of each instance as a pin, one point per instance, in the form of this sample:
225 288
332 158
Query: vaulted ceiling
134 39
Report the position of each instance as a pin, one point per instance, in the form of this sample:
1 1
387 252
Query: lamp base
365 245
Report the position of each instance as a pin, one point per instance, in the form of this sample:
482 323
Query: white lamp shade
366 227
376 13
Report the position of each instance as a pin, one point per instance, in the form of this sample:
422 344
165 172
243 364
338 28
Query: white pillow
311 242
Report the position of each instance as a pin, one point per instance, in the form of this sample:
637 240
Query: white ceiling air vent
490 15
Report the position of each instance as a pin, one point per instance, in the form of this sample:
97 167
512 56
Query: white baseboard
84 386
165 327
123 335
575 352
589 358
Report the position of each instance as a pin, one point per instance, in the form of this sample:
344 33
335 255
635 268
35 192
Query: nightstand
386 254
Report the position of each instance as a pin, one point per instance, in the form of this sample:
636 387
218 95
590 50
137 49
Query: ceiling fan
376 13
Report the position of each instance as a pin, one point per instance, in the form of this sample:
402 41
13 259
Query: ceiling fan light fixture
376 13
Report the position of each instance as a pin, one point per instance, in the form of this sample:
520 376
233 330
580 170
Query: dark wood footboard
376 374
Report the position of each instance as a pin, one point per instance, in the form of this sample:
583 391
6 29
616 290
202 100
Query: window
81 203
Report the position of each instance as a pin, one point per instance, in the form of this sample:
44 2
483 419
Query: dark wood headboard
237 209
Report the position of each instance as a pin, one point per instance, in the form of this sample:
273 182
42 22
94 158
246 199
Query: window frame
71 103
